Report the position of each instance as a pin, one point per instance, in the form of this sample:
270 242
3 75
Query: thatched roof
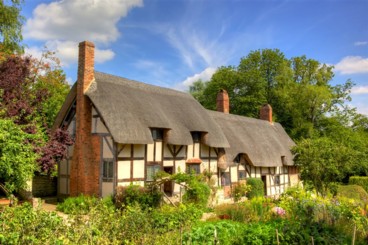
131 108
65 107
263 143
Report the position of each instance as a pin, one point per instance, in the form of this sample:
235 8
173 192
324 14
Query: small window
152 170
108 170
196 137
193 168
277 180
237 158
241 175
225 179
157 134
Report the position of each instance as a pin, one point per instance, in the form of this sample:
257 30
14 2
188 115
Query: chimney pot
223 102
266 113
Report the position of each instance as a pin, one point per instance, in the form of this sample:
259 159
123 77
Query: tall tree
298 89
31 93
11 26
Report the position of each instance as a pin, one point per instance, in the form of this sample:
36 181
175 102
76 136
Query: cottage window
237 158
241 175
225 179
151 171
196 137
277 180
193 168
108 170
157 134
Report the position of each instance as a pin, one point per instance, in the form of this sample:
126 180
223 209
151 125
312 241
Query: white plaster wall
107 153
150 152
138 169
124 169
196 150
63 186
107 189
180 166
234 174
168 163
158 151
139 150
125 152
190 151
63 167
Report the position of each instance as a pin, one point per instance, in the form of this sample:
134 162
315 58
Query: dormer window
196 137
157 134
237 158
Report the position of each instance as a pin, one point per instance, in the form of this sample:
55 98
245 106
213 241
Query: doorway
169 185
264 180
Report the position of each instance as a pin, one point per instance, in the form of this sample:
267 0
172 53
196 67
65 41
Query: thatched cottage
125 131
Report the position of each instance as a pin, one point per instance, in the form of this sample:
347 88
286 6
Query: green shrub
256 188
77 205
355 192
146 197
240 190
359 180
169 217
197 192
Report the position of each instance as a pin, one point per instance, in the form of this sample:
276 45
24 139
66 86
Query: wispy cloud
62 24
352 65
361 43
359 90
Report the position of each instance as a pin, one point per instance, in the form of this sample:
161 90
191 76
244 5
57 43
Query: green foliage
354 192
11 27
146 197
298 89
82 204
359 180
170 217
240 190
322 162
17 157
197 192
256 188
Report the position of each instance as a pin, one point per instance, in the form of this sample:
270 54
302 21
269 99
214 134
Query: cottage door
168 186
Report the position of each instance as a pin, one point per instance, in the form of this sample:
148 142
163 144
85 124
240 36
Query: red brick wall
85 168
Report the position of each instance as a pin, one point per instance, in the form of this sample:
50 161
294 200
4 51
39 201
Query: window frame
156 169
194 166
226 181
157 134
245 174
107 170
196 136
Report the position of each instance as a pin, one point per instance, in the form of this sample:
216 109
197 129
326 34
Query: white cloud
61 25
205 75
352 65
359 90
67 52
360 43
93 20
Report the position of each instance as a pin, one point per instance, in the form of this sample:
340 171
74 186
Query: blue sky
172 43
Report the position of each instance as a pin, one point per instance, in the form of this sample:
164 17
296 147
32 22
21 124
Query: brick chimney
223 102
266 113
84 174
